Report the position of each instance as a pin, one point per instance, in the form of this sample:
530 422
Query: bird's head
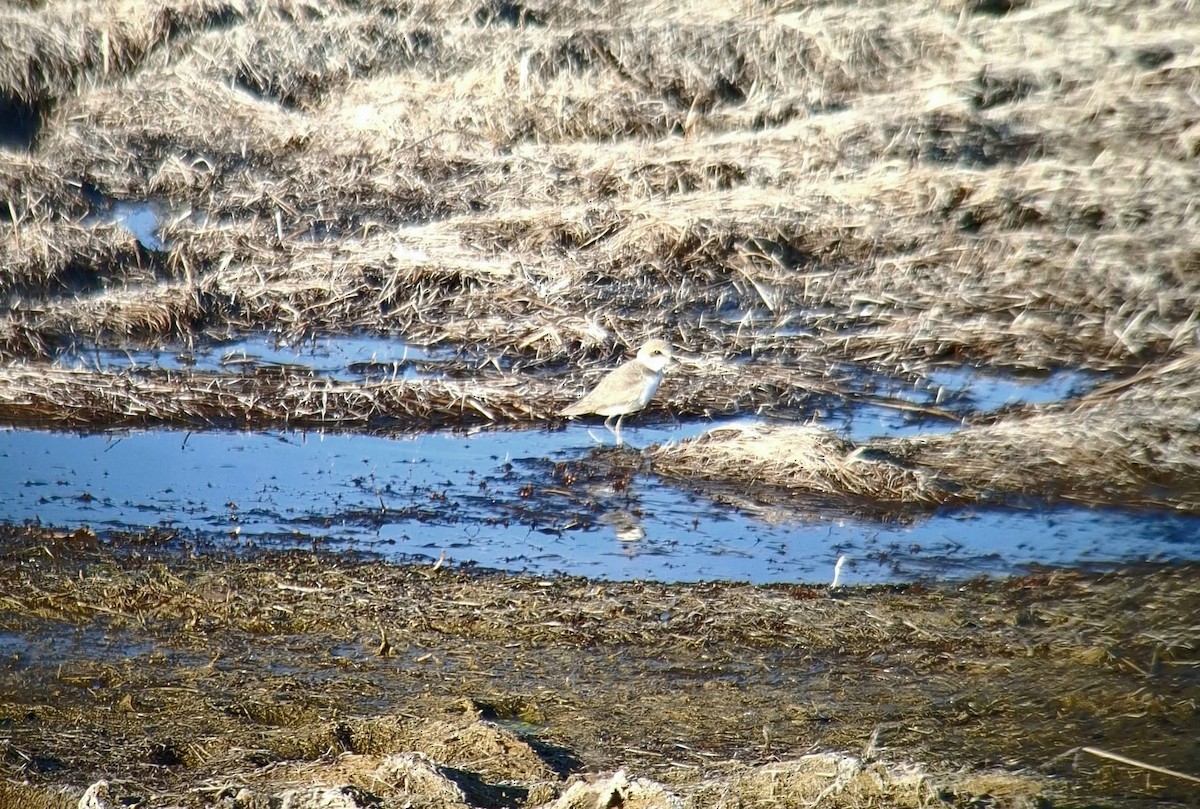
655 354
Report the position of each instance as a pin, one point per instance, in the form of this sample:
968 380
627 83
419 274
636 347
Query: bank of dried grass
956 186
52 48
452 393
1011 298
69 398
1133 443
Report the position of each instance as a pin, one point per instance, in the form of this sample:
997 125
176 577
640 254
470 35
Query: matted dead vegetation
176 677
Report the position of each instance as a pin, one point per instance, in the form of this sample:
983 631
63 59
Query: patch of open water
141 219
497 498
342 358
492 498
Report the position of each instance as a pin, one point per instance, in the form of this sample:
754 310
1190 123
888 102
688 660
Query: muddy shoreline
178 677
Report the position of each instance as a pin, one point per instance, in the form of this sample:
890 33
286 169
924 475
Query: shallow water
343 358
493 498
501 499
140 218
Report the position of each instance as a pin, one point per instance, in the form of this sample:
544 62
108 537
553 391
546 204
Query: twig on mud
1132 762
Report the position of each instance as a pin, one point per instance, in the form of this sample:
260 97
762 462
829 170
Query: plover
627 389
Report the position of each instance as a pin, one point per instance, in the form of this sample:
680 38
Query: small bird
628 388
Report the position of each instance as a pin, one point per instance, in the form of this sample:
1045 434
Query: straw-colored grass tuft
77 398
1131 443
806 458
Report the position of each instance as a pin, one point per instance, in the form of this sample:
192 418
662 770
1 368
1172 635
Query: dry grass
1133 443
51 49
1056 300
772 188
800 196
70 398
810 459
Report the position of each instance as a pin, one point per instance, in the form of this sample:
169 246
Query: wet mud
182 676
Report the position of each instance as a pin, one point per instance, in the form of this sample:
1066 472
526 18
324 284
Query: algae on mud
182 677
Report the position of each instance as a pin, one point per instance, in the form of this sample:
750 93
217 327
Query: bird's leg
608 425
617 432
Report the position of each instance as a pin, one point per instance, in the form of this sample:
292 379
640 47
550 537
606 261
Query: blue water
499 498
141 219
496 498
343 358
991 391
961 391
